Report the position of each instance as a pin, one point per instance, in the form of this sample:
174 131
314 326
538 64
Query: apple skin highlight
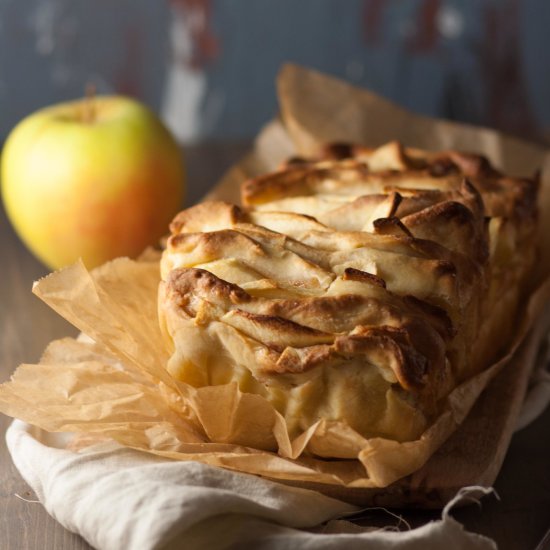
91 185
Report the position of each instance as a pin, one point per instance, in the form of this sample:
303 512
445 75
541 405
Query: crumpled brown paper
117 386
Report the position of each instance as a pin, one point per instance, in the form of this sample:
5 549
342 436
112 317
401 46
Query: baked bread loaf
359 287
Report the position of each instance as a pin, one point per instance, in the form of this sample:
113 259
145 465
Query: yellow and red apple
91 179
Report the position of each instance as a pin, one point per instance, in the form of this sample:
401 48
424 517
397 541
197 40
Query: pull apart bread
360 287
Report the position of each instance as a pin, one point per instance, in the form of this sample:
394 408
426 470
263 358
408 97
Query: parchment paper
118 387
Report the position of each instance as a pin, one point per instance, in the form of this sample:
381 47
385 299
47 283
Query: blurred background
208 66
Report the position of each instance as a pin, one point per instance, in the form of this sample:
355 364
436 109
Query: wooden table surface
518 521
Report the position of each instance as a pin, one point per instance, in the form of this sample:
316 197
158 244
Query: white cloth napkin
118 498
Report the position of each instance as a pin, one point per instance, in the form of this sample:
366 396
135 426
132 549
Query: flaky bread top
371 277
343 172
311 255
356 315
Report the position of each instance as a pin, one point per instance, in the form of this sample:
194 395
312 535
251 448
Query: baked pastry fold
359 287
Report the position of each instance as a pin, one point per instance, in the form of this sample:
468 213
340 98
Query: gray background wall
208 66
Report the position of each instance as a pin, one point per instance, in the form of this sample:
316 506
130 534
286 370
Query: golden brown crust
316 321
196 219
357 286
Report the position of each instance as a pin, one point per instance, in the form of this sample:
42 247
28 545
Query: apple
93 179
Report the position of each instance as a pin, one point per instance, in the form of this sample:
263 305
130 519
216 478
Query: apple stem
89 103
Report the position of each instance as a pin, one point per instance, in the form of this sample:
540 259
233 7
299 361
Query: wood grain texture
26 326
518 521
